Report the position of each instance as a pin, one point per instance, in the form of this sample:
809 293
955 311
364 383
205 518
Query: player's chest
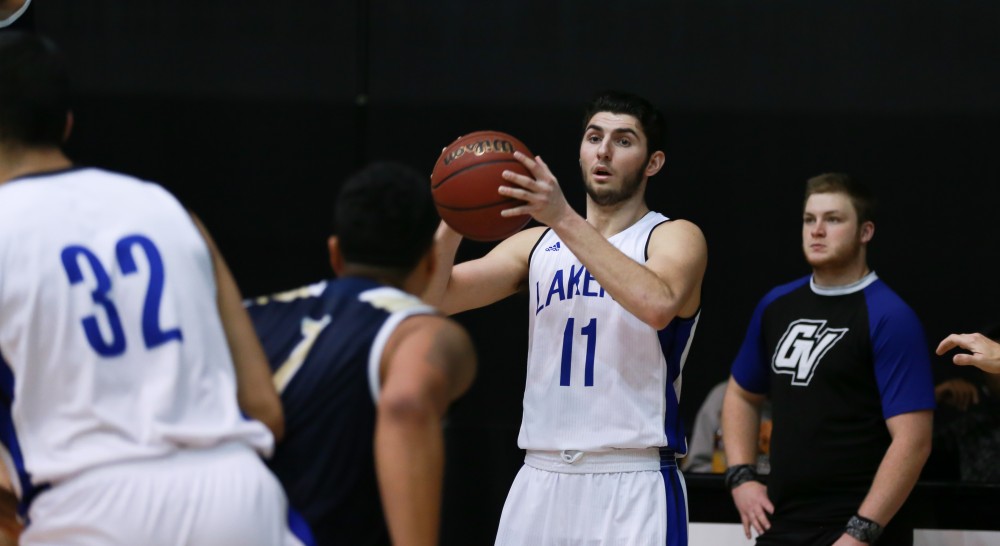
829 341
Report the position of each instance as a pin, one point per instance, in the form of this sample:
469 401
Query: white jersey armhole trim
378 346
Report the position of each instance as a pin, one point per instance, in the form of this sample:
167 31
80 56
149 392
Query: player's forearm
446 242
740 427
897 474
409 457
636 288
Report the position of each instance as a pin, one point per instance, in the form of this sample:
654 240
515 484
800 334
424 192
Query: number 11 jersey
598 377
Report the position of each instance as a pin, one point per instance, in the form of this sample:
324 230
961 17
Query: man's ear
655 163
867 231
336 257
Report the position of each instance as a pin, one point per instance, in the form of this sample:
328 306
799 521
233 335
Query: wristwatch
863 529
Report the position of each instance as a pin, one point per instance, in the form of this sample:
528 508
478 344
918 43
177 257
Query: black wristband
739 474
863 529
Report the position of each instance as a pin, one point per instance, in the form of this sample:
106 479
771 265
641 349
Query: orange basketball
465 181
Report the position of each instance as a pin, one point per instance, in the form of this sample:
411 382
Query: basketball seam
480 164
479 207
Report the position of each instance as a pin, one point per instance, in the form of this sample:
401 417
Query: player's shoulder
677 230
785 289
527 237
440 337
431 324
884 301
522 244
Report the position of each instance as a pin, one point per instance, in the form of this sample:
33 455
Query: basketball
465 181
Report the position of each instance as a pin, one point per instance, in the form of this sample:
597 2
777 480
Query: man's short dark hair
860 194
385 216
651 120
34 91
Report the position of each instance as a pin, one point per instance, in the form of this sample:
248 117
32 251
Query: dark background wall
252 112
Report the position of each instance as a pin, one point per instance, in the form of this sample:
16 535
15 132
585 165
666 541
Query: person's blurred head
384 222
34 92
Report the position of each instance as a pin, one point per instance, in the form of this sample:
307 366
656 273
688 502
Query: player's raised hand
984 353
754 506
544 199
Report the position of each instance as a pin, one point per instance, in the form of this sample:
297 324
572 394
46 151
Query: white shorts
220 496
626 497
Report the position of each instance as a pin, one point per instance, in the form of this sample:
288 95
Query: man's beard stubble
607 197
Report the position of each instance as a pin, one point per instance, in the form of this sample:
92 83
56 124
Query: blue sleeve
902 363
750 368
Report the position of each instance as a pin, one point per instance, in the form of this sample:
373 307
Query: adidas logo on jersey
553 248
802 347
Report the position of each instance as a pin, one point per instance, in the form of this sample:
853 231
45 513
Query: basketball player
366 371
984 353
614 300
120 422
845 364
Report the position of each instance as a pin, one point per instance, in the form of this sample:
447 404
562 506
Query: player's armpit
255 391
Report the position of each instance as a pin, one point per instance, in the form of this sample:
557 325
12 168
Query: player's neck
613 219
842 275
21 161
381 275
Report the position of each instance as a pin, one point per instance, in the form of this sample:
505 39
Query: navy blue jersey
836 364
324 343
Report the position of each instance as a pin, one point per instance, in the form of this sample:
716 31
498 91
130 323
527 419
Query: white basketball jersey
110 338
598 377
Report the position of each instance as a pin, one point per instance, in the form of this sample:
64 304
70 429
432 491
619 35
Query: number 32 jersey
598 377
111 344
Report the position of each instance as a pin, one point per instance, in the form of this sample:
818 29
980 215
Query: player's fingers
746 525
947 344
522 210
762 520
519 179
963 359
536 166
519 193
526 160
